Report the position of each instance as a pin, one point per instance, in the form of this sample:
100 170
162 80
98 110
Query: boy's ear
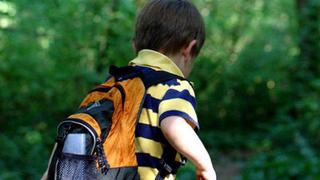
187 51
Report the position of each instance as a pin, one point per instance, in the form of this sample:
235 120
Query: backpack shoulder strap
167 163
149 76
152 77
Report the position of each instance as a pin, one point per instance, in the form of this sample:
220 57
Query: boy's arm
184 139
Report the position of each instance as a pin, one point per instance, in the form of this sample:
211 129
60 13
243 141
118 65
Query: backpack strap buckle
165 169
167 164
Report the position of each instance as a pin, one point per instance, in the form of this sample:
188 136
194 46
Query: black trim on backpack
78 122
52 166
100 89
124 73
97 110
123 94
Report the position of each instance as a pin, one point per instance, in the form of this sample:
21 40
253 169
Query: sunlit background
257 80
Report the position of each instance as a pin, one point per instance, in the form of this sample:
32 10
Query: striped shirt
172 98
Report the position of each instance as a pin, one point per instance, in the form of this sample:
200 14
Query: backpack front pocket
79 167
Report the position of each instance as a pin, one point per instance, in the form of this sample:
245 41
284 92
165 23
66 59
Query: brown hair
168 25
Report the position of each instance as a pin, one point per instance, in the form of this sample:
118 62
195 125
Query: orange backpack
98 142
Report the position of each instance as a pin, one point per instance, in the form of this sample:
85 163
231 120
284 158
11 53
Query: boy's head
169 26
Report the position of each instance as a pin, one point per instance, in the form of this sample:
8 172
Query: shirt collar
156 60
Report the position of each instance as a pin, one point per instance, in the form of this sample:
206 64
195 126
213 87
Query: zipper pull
102 160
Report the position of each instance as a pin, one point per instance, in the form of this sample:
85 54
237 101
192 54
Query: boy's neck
179 61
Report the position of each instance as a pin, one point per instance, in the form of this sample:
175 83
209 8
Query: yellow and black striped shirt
172 98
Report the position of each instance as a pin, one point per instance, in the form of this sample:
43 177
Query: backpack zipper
102 160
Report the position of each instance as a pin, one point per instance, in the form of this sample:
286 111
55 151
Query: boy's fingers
204 175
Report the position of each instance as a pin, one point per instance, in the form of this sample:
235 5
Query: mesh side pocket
77 167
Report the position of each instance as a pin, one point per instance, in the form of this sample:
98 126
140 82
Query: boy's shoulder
177 99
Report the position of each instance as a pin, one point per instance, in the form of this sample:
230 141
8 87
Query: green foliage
257 79
187 172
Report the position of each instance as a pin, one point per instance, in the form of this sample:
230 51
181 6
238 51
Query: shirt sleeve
179 101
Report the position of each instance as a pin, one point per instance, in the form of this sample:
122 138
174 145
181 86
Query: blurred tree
298 119
51 54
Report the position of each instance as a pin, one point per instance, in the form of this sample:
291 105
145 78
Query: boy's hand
206 175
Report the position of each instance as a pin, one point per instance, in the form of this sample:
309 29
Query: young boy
168 36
